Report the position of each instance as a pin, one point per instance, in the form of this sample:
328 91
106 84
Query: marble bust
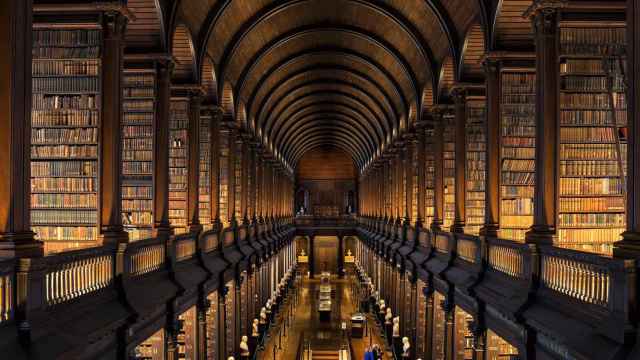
396 327
244 346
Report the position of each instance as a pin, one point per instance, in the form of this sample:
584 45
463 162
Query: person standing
368 354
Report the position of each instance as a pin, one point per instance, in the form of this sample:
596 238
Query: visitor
377 353
368 354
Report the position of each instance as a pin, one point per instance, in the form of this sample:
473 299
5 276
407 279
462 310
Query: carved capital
476 327
544 15
491 66
115 25
165 69
458 94
447 305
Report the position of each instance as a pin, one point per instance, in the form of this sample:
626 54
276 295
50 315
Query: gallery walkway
305 322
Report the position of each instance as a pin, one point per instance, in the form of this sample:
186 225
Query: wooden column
630 245
479 339
312 266
110 169
214 168
259 185
161 223
544 15
409 171
193 185
449 328
267 191
492 166
233 153
438 188
202 306
380 190
253 189
340 256
244 199
460 161
386 185
420 143
429 316
399 172
16 237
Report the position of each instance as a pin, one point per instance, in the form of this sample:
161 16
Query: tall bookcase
429 175
414 185
187 345
592 138
150 349
230 319
476 165
178 163
499 348
517 143
421 320
449 169
204 196
463 336
137 152
212 321
439 322
65 124
237 173
223 162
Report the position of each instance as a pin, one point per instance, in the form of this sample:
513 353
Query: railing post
30 295
479 332
202 307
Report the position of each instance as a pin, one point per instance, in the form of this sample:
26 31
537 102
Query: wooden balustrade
185 248
325 221
73 274
424 238
210 242
442 243
467 248
145 257
506 257
7 283
585 277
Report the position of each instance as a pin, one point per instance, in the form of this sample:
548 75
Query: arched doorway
325 254
302 201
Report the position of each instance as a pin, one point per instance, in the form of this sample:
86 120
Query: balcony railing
145 256
185 247
7 281
467 248
584 277
507 257
325 221
73 274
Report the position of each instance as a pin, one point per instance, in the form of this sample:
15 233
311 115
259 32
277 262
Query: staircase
325 355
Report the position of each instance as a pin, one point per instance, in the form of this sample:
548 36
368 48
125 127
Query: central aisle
306 322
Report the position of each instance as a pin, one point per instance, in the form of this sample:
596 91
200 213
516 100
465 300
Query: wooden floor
305 322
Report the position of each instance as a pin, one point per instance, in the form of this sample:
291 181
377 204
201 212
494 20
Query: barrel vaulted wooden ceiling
309 73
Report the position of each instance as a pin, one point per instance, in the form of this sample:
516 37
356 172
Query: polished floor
300 324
